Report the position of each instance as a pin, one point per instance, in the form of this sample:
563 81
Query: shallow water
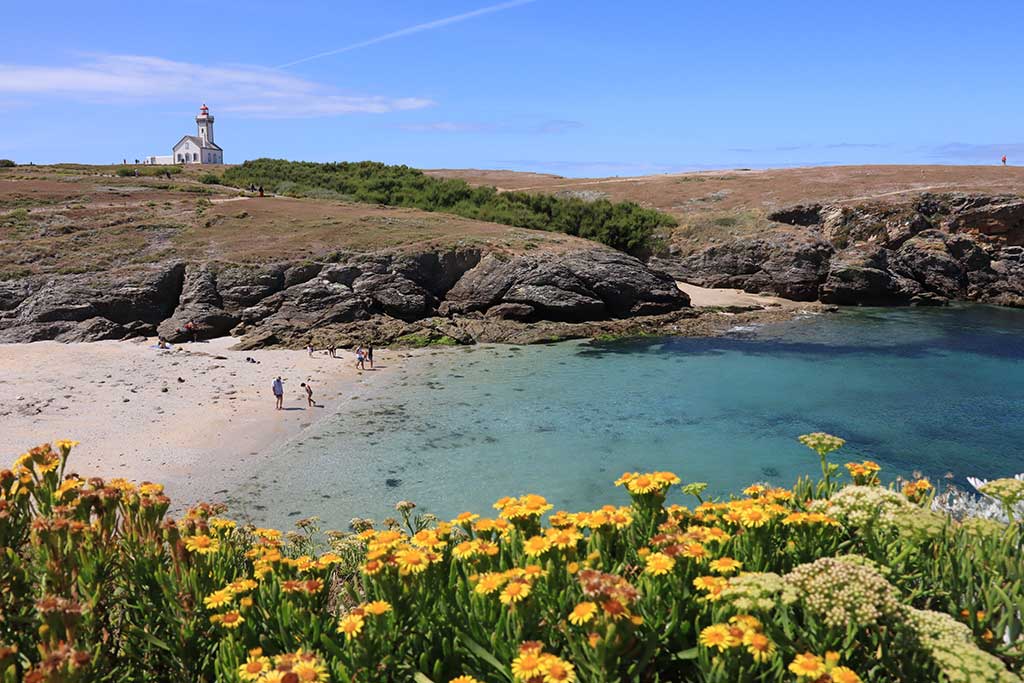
934 390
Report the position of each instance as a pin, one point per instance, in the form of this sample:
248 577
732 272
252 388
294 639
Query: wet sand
193 418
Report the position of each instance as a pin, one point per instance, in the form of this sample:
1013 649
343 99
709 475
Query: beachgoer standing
1004 160
278 388
360 358
190 328
369 354
309 349
261 190
309 394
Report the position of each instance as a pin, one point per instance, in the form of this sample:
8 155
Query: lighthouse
195 149
205 123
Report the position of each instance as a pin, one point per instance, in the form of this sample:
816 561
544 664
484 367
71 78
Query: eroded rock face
784 262
925 251
570 287
69 306
291 302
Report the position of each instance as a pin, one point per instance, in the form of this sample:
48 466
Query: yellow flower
464 679
658 564
725 565
842 674
411 561
242 585
514 592
807 665
377 607
311 671
526 666
464 550
694 551
428 539
582 613
231 620
718 636
536 545
642 484
557 670
564 539
754 517
488 583
254 668
465 518
202 544
760 647
218 598
351 625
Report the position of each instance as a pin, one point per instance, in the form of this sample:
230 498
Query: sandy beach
706 297
167 416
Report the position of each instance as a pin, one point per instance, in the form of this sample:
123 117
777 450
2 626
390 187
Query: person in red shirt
1004 160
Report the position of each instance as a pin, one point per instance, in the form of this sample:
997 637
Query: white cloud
247 90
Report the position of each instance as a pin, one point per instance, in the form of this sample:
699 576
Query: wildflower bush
835 580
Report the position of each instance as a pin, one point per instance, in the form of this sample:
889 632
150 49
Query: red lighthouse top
204 109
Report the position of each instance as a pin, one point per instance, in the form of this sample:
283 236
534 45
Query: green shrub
623 225
209 179
7 163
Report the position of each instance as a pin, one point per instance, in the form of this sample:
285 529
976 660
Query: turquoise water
934 390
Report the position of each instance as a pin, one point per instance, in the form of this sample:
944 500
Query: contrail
413 29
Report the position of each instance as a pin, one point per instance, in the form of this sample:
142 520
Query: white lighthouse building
194 149
199 149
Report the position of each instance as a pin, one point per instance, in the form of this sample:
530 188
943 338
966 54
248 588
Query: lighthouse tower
195 149
205 123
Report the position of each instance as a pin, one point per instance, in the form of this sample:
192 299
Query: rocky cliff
927 250
467 294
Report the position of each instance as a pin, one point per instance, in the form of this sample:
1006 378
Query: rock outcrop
290 303
785 262
926 251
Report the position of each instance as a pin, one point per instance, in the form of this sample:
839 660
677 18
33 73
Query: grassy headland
623 225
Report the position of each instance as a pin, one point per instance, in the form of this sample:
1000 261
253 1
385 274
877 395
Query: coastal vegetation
837 580
623 225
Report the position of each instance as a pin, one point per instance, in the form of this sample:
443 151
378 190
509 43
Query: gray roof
198 142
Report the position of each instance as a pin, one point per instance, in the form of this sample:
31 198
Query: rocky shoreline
928 250
459 295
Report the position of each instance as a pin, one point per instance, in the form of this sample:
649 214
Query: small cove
933 390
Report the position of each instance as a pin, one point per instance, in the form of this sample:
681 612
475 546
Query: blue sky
570 87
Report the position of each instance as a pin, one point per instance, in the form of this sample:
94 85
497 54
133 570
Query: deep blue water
933 390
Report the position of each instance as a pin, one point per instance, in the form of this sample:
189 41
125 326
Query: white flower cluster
951 646
844 591
859 506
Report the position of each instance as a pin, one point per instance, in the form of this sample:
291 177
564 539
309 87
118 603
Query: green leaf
483 654
156 641
420 678
688 654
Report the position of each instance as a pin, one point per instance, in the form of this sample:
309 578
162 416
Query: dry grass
716 205
71 218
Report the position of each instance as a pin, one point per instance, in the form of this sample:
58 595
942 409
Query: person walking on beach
190 329
1004 160
309 349
261 190
309 394
369 354
278 388
360 358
